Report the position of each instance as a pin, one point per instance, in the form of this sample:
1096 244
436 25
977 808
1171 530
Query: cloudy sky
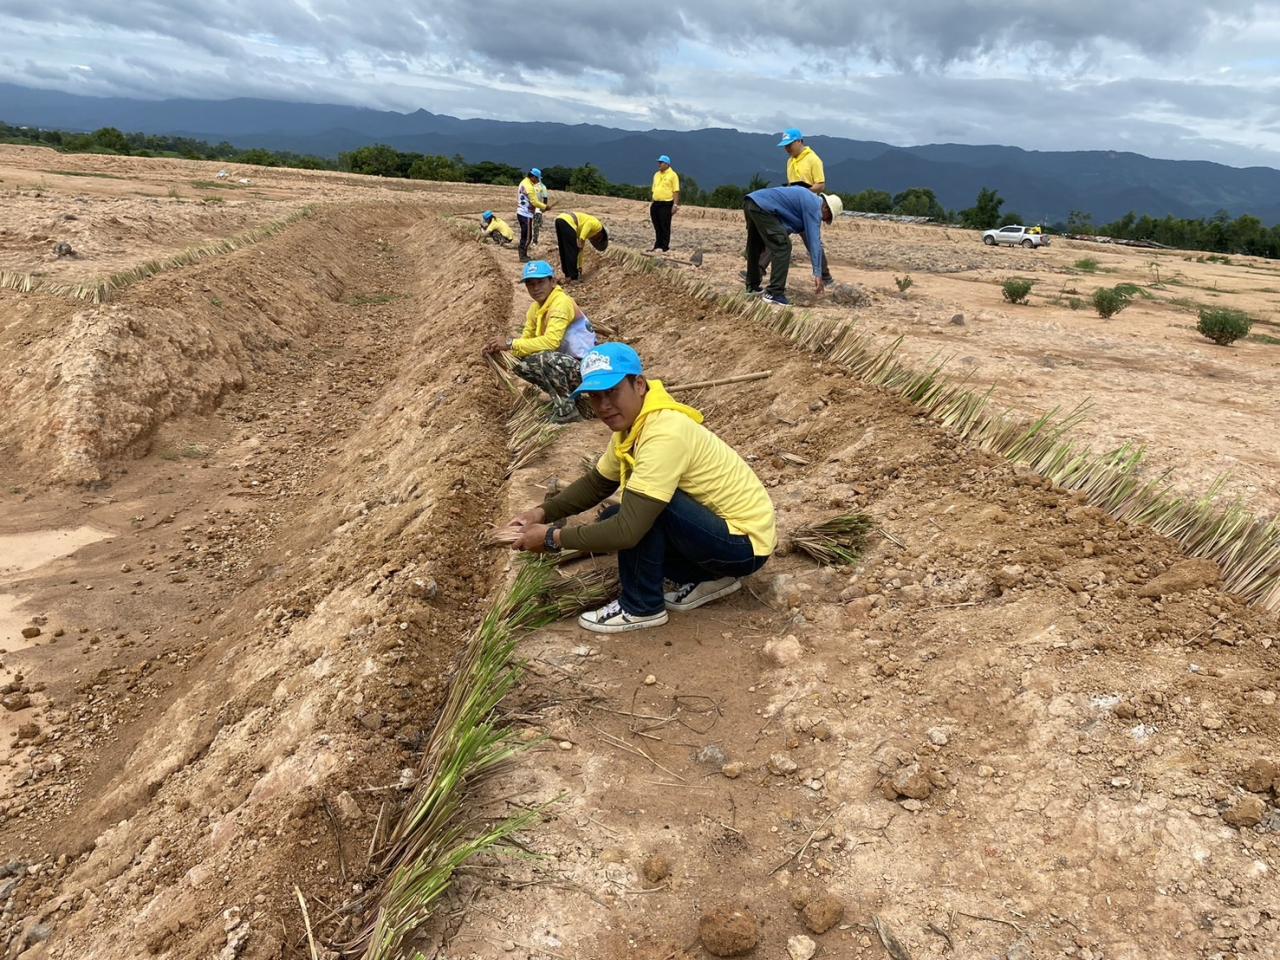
1185 79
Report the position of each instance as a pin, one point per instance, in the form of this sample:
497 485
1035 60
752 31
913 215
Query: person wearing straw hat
555 338
691 511
527 201
805 169
572 231
666 201
772 215
496 229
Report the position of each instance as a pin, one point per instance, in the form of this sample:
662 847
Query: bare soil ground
248 596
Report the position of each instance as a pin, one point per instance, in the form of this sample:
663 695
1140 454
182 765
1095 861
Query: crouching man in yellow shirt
496 229
691 511
555 338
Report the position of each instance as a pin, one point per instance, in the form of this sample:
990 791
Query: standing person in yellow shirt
556 336
804 169
690 511
541 189
496 229
666 201
572 231
527 201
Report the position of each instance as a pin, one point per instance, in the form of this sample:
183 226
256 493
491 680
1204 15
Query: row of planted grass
1214 526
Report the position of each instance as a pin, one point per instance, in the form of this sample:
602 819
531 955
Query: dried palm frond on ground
837 542
1245 546
436 834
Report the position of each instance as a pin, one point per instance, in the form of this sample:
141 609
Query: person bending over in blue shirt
772 215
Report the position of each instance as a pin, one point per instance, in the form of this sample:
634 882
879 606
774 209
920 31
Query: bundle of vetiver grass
567 596
837 542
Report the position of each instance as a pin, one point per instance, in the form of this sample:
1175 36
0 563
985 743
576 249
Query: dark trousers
526 230
660 213
766 235
567 239
826 266
686 544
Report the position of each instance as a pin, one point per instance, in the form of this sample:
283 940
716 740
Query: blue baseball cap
536 172
607 366
790 136
487 215
537 270
665 159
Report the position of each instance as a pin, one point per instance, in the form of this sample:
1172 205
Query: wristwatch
550 542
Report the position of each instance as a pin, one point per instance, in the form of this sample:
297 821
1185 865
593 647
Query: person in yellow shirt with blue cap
804 169
691 511
527 201
573 230
496 229
555 338
666 201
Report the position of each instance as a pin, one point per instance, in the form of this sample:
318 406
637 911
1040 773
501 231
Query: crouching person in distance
496 229
556 336
572 231
692 511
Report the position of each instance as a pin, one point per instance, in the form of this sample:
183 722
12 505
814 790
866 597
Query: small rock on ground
801 947
822 913
728 931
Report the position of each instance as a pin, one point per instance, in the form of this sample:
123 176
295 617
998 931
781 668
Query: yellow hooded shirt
668 449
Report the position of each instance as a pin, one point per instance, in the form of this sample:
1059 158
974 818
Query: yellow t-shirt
499 226
545 324
666 184
675 453
806 168
584 225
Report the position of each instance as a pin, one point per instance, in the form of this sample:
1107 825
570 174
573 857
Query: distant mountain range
1037 184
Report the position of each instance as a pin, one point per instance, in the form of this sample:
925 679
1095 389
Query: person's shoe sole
656 620
722 592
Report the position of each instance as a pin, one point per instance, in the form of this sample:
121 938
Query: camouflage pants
558 375
537 226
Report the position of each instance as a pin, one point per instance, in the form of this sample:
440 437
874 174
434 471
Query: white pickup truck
1015 235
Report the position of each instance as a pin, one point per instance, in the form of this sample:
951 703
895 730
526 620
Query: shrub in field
1108 301
1087 265
1016 290
1075 303
1222 325
904 283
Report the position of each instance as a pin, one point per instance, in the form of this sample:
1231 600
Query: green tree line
1218 234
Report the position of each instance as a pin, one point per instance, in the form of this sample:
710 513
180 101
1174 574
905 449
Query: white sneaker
690 596
611 618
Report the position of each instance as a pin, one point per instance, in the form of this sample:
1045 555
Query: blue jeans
686 544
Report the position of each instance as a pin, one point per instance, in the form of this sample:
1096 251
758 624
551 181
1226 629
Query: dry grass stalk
1246 547
837 542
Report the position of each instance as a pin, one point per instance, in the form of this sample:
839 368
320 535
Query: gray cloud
1172 78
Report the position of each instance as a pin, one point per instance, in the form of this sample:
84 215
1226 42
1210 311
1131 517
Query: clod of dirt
958 320
15 701
822 913
1261 776
733 771
63 249
911 781
799 897
656 868
1182 577
1248 812
781 765
783 651
30 633
801 947
728 931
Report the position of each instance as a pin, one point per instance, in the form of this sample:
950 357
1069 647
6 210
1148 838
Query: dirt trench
226 688
1016 729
